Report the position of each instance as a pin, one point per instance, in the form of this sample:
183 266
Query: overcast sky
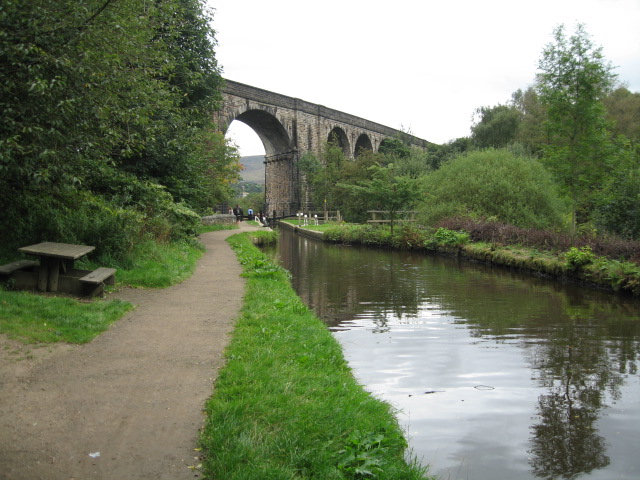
420 65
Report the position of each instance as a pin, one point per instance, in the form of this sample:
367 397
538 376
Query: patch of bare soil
129 404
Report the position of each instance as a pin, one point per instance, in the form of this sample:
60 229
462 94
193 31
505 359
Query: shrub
579 257
494 184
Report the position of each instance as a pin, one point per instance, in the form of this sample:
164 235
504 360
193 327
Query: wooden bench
96 280
100 275
9 268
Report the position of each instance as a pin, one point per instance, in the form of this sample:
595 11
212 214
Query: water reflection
561 362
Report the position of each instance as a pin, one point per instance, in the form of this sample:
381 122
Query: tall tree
91 89
574 80
496 126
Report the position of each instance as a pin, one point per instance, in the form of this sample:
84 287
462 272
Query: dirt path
129 404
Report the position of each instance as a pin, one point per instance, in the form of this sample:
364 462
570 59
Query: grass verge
33 318
286 405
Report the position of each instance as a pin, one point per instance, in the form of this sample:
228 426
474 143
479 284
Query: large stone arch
269 129
281 173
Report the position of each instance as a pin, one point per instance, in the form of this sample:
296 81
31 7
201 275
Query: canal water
495 375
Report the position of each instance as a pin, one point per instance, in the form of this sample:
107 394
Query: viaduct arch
288 128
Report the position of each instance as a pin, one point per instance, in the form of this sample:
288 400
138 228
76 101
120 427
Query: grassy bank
286 405
577 263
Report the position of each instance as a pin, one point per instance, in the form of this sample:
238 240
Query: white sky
423 65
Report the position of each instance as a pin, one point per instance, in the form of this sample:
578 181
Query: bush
494 184
449 237
579 257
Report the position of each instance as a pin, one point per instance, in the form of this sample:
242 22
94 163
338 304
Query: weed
363 456
449 237
579 257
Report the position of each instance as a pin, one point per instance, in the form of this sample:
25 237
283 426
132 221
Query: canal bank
286 405
494 374
583 268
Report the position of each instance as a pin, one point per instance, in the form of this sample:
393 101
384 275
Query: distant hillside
253 169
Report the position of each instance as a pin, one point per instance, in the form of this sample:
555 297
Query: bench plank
98 275
18 265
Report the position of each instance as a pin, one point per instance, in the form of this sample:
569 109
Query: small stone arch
339 136
363 143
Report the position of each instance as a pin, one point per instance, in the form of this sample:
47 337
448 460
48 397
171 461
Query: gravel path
129 404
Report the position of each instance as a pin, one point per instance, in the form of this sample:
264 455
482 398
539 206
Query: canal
494 374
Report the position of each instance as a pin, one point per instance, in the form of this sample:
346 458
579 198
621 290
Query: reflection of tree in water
343 283
583 362
565 441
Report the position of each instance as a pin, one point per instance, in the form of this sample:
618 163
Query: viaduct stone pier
289 128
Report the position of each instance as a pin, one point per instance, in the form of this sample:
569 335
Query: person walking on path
129 404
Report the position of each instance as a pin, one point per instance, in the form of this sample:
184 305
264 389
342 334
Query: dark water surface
496 375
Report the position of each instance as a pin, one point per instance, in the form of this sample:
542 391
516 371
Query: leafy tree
217 168
623 110
394 147
531 132
493 184
386 190
323 173
618 206
103 91
574 80
418 163
497 126
445 152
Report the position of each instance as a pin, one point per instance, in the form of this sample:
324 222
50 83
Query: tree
394 147
574 80
101 91
530 131
386 190
497 126
623 110
618 206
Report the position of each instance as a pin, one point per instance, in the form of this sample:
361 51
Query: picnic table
55 259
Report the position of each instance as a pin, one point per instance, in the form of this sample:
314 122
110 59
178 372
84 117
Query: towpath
129 404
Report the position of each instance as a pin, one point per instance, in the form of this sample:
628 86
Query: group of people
239 214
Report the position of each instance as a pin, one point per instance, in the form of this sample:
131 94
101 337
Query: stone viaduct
290 127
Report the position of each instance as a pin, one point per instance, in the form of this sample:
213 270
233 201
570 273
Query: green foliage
617 209
385 190
101 100
363 455
449 237
493 184
497 126
579 257
623 111
573 82
394 147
